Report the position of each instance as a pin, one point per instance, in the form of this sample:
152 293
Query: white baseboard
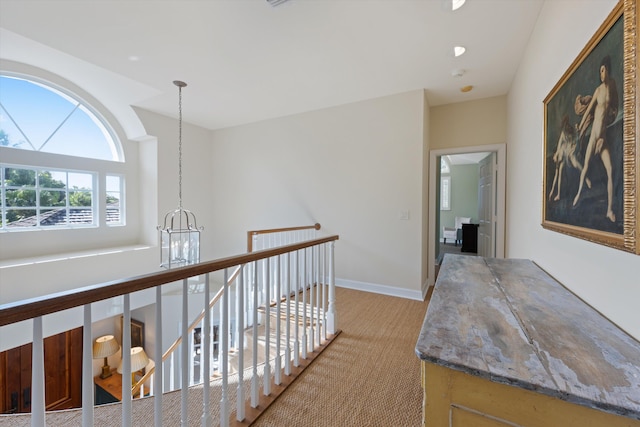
382 289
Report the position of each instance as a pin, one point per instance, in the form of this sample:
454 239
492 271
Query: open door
493 241
486 206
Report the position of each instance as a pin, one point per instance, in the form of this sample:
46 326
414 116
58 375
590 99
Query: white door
486 206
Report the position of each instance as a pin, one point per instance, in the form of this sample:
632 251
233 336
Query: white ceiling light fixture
457 72
180 234
457 4
459 50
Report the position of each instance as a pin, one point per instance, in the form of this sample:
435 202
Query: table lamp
104 347
139 360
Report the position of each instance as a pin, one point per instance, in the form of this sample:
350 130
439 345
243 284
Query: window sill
69 256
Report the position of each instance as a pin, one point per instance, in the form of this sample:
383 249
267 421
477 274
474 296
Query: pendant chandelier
180 234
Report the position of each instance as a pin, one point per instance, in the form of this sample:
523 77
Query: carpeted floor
369 376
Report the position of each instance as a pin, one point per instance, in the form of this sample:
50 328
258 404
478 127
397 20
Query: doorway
493 222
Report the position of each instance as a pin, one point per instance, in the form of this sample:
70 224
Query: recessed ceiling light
466 88
457 72
134 58
459 50
457 4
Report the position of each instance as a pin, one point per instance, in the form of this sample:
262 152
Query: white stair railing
252 302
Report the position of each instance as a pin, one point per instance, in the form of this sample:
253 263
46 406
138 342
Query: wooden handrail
252 233
40 306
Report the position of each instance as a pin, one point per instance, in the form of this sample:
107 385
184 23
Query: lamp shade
139 360
105 346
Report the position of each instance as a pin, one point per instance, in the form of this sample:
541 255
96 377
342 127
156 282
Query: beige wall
465 124
426 125
352 168
608 279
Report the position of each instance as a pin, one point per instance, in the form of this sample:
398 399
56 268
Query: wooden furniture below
108 390
504 344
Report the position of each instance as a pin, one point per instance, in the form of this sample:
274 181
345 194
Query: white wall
607 279
352 168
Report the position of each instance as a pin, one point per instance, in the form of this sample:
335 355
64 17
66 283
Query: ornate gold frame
560 219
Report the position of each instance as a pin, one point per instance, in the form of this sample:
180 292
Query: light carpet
369 376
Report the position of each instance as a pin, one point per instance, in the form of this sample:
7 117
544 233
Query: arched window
57 189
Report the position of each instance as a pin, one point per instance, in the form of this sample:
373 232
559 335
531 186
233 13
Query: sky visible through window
39 118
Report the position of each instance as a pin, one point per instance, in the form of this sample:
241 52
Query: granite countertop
508 321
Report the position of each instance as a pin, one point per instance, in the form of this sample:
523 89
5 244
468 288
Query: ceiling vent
274 3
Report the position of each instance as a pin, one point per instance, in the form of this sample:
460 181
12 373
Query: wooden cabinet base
456 399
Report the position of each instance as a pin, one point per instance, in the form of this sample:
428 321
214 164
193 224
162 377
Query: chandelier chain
180 147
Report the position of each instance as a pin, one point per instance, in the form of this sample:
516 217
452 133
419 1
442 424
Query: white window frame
38 207
40 161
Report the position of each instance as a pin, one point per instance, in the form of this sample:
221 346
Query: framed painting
137 332
590 146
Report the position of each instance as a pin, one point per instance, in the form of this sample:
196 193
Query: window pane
42 118
79 137
113 183
114 202
10 135
80 198
52 179
82 181
14 216
445 193
50 198
53 217
20 198
81 216
20 177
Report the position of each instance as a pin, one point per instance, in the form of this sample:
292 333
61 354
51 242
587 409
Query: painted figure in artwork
566 153
601 112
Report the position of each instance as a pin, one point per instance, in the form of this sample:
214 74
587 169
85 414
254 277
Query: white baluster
296 343
87 369
276 287
254 378
184 383
37 375
240 413
310 306
305 280
324 291
224 350
191 360
332 316
287 279
318 295
126 361
205 355
201 377
266 381
158 374
172 371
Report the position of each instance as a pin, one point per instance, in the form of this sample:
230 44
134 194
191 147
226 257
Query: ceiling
246 61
